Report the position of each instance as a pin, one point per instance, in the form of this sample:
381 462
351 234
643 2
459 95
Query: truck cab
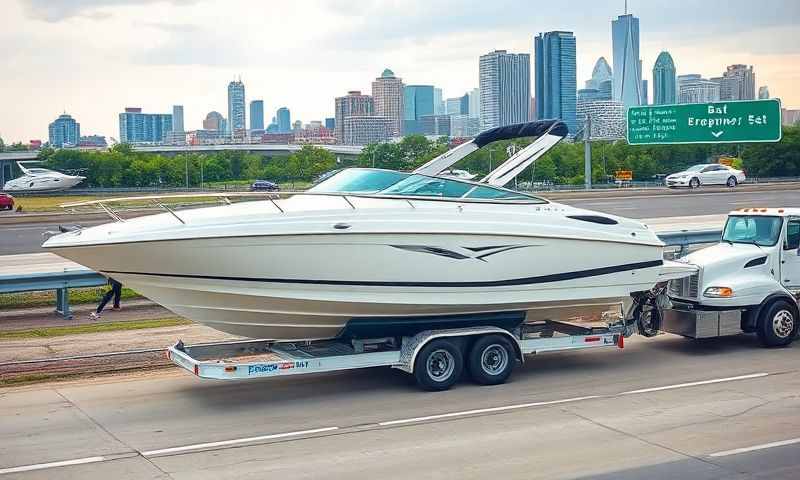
748 282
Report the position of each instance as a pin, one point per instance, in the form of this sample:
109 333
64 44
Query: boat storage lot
661 408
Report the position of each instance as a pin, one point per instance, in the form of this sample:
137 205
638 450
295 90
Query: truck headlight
718 292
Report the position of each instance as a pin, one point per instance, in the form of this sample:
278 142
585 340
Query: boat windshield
755 229
425 186
390 182
359 180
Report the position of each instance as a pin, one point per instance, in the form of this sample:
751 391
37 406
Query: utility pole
587 152
187 171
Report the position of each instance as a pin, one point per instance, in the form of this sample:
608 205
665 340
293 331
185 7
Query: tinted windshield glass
422 185
758 230
359 180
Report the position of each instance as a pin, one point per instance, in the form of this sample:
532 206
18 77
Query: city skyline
187 65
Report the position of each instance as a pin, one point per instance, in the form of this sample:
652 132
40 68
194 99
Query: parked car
264 186
706 174
6 202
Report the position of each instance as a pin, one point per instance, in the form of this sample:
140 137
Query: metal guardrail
62 281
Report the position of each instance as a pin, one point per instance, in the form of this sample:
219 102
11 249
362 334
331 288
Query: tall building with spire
627 63
236 108
555 77
387 93
64 131
664 80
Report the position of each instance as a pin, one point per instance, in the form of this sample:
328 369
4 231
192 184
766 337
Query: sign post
718 122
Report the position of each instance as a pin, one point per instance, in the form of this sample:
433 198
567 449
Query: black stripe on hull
556 277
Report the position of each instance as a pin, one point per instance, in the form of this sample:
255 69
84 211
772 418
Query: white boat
373 253
41 180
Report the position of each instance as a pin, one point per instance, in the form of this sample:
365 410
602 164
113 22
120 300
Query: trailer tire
439 365
778 324
491 360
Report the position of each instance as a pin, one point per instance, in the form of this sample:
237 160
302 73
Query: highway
660 408
27 238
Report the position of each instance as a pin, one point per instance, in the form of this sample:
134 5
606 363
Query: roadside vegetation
48 332
77 296
122 167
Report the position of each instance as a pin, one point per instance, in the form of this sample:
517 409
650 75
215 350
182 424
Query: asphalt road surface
687 203
661 408
27 238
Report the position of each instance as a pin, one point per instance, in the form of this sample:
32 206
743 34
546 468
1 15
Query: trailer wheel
438 365
778 325
491 360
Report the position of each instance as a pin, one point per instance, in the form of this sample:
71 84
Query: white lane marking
763 446
484 410
42 466
200 446
670 195
694 384
237 441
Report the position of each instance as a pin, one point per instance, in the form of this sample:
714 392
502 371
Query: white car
706 174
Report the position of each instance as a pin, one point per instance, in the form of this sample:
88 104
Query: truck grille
686 287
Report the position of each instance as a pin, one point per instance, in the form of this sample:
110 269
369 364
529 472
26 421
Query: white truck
748 282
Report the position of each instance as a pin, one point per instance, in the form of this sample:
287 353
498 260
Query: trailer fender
412 345
750 321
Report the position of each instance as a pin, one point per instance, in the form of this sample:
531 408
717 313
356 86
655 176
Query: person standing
116 292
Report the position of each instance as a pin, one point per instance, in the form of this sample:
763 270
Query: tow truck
748 282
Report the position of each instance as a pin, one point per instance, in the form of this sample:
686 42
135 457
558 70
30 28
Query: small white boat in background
41 180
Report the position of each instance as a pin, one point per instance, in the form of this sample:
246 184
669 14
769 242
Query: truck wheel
438 365
694 183
778 325
491 360
732 182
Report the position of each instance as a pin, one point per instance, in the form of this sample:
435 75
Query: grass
49 332
77 296
48 203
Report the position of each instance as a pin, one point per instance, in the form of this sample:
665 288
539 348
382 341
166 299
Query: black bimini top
527 129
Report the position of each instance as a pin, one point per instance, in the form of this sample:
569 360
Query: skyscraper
438 102
692 88
556 78
257 115
236 107
645 97
354 104
417 102
284 118
177 119
738 83
763 92
330 123
664 81
64 132
474 110
387 93
138 127
214 121
505 86
627 64
600 73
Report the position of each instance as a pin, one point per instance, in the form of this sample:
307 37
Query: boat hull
293 287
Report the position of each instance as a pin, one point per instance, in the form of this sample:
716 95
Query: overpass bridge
351 150
7 160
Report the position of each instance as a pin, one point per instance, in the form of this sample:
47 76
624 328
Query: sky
93 58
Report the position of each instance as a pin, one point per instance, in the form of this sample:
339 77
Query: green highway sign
719 122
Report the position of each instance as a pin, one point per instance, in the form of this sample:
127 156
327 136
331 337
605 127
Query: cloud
58 10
